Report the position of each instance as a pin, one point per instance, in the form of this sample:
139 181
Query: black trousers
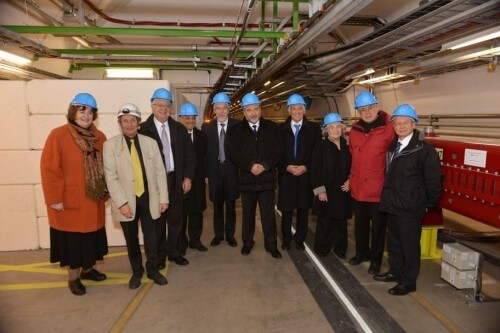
249 202
330 233
302 224
221 188
172 218
131 232
403 244
193 224
364 213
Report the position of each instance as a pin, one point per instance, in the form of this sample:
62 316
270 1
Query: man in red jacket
369 141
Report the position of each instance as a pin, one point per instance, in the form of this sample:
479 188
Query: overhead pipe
65 31
169 47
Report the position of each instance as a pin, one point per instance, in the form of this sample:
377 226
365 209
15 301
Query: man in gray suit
137 184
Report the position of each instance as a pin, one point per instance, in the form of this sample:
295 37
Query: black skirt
76 249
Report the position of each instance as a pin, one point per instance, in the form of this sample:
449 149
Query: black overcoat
196 202
296 191
331 168
212 162
245 148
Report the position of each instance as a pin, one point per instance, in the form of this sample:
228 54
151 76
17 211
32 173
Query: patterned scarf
95 185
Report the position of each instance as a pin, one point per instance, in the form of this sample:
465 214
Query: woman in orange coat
75 192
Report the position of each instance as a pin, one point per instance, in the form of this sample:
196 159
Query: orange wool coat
63 180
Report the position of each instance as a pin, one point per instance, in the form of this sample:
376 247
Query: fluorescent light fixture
129 73
365 72
473 39
253 92
267 83
261 93
276 85
14 58
382 78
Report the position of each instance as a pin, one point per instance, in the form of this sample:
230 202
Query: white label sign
475 157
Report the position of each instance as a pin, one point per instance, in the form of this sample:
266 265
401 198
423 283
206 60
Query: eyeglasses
367 108
162 106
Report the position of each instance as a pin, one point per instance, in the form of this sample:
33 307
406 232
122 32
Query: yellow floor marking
436 313
131 308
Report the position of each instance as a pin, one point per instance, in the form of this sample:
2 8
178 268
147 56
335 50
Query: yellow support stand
428 243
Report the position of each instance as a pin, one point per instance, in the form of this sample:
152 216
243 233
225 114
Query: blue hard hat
188 109
365 98
84 99
405 110
249 99
162 93
295 99
221 98
331 118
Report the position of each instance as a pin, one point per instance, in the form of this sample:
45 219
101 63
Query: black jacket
212 162
196 201
330 169
245 149
296 191
413 181
182 150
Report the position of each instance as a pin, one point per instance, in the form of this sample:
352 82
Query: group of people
155 172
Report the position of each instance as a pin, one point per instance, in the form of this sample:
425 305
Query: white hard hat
129 108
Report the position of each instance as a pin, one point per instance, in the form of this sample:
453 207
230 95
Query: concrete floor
222 291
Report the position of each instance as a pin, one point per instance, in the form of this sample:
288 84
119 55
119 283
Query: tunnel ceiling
318 48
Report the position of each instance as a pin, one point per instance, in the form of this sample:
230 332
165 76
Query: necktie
191 136
136 165
296 135
166 147
222 138
396 150
254 129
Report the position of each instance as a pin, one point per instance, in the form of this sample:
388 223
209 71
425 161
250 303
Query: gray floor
222 291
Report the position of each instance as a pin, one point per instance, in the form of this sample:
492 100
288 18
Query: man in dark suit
295 190
179 159
222 173
196 202
254 145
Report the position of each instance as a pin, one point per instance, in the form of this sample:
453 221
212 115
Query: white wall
31 110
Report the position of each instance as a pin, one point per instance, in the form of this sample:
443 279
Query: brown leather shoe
76 287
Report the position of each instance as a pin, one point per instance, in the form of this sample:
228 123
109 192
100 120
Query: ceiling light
267 83
261 93
365 72
473 39
276 85
129 73
14 58
382 78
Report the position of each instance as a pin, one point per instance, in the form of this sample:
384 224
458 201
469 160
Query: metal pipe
65 31
170 47
463 116
467 124
469 134
214 54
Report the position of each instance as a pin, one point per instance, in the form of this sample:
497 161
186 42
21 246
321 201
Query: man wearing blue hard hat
222 174
299 136
412 185
196 202
369 141
179 160
254 145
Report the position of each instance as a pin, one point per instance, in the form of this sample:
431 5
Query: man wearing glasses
369 141
179 160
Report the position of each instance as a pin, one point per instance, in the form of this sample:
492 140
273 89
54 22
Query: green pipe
295 15
213 54
80 66
63 30
275 25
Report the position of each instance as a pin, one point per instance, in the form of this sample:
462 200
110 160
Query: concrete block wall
30 111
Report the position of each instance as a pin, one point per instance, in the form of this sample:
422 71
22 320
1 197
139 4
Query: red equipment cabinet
471 169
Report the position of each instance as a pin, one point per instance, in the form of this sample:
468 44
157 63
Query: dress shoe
340 255
285 245
374 269
300 246
161 265
199 247
245 250
76 287
402 289
158 278
232 242
93 275
357 260
135 281
180 260
386 277
215 241
275 253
